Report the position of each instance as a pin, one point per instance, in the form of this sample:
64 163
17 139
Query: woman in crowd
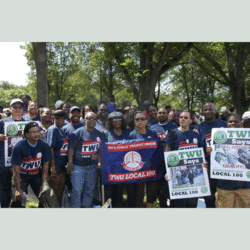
65 106
152 111
57 140
179 139
87 108
116 130
141 131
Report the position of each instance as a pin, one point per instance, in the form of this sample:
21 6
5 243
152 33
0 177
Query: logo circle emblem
248 174
204 189
173 159
220 137
132 161
12 129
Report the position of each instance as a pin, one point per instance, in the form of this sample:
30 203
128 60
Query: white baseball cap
246 115
58 103
16 100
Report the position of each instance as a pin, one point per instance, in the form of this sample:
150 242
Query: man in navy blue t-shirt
205 130
74 115
30 161
16 109
83 155
163 126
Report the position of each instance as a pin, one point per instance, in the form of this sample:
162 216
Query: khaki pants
239 198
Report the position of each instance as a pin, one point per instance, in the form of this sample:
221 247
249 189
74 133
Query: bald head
209 112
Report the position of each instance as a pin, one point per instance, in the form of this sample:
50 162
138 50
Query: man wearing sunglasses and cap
83 155
16 109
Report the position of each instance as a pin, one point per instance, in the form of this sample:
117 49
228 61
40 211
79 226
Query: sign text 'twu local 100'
230 157
188 177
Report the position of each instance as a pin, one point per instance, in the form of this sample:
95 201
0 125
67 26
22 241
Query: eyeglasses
34 132
116 119
104 110
140 119
91 118
184 117
17 107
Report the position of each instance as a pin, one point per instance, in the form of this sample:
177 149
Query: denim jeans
83 179
35 181
5 186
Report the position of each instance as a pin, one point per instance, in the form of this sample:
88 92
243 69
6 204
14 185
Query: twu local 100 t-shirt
30 159
86 145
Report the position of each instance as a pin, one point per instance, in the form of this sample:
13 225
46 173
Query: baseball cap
246 115
58 103
115 114
59 112
17 100
73 108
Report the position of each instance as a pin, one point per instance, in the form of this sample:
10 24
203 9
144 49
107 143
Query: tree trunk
41 73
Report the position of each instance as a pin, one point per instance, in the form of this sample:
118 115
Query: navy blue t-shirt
58 139
82 121
205 128
184 140
30 159
26 117
2 157
100 126
112 136
70 128
151 123
168 126
86 145
135 134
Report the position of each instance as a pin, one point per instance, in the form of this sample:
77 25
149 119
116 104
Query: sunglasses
185 117
104 110
116 119
91 118
140 119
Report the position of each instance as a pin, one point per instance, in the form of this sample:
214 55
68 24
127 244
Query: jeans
35 181
5 186
83 179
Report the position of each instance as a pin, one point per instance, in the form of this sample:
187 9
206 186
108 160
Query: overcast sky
13 63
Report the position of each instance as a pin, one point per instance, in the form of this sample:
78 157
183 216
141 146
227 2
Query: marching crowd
63 150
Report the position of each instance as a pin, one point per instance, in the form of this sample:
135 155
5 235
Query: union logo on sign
132 161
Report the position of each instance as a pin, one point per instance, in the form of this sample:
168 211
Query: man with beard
102 114
45 121
161 128
205 129
175 118
74 115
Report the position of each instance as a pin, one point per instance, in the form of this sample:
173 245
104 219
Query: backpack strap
174 137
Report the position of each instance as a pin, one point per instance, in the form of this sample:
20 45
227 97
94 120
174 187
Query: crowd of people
63 150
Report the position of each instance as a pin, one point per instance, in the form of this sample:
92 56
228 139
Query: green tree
227 63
